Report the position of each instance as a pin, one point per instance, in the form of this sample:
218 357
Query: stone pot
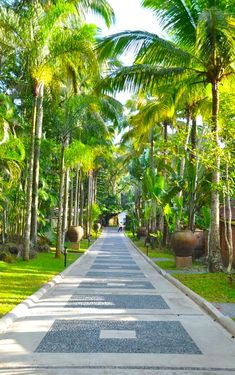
74 234
183 243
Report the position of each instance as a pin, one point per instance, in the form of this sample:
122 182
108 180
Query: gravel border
223 320
21 309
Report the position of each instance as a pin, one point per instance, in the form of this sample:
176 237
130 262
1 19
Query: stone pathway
114 314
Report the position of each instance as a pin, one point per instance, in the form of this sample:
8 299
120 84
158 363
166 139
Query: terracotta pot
74 234
200 247
142 232
183 243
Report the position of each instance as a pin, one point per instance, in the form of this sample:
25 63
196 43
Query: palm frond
117 44
215 38
161 51
178 17
142 77
100 7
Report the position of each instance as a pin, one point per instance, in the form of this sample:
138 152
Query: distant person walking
120 227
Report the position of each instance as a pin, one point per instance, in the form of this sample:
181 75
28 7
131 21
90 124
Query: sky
129 16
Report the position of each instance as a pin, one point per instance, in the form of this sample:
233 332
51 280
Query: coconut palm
201 50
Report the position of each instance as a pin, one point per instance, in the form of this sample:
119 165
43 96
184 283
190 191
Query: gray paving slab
76 336
104 325
116 274
114 266
117 285
108 301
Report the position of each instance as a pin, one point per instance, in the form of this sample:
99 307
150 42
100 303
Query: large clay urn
74 234
183 243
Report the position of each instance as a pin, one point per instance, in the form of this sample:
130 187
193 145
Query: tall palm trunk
228 219
214 258
193 175
165 226
4 225
26 249
94 186
76 197
59 241
152 167
65 207
38 138
81 201
183 159
71 203
89 202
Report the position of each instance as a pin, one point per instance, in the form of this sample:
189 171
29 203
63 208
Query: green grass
167 265
20 279
158 253
213 287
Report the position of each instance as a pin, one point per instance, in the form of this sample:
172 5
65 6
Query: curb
22 308
223 320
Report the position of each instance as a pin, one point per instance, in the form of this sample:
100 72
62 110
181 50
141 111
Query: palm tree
202 51
55 32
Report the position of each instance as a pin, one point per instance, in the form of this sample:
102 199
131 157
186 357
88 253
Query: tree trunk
214 258
26 248
79 196
71 203
81 202
151 151
37 147
192 173
66 206
183 160
59 241
165 226
228 220
152 167
94 186
4 226
89 202
75 220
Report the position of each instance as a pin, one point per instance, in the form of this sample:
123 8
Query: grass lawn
213 287
20 279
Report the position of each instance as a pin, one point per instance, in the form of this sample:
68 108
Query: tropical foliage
59 121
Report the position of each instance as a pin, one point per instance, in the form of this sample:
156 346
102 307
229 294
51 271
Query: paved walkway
114 314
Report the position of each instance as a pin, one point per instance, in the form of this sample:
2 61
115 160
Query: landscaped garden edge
21 309
223 320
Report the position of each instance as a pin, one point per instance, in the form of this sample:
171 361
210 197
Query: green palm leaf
142 77
147 47
178 17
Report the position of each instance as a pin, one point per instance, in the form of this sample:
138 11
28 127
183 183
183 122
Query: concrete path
114 314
